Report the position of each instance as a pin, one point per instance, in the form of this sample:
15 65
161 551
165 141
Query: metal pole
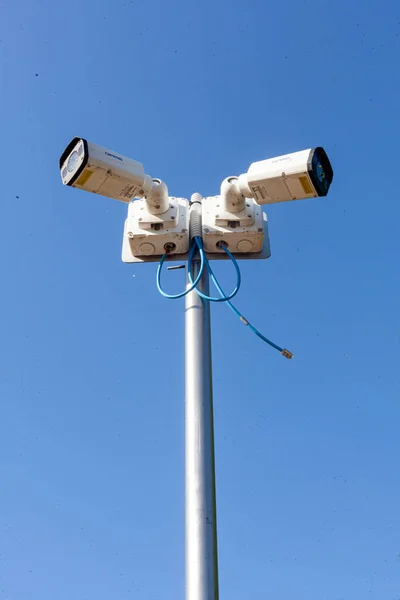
201 523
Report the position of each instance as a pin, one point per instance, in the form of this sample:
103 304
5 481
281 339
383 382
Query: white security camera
95 169
304 174
156 223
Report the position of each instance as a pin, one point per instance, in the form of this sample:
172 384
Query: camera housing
296 176
95 169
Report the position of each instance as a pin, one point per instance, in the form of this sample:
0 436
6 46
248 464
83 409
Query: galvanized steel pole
200 497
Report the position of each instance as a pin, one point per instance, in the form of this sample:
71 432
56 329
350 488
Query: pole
201 524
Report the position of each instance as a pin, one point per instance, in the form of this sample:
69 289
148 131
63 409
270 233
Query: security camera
304 174
156 223
92 168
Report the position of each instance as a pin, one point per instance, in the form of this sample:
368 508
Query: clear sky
91 369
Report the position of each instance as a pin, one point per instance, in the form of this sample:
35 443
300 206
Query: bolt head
130 234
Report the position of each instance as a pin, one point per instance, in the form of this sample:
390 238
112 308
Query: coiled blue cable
223 297
197 245
193 284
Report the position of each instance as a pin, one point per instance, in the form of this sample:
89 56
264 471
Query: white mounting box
243 232
129 257
146 235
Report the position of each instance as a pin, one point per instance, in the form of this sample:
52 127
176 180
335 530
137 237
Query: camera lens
73 161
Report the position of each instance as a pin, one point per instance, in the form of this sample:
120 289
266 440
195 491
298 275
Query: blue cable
241 317
223 297
193 284
197 244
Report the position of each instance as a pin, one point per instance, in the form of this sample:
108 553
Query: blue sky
91 370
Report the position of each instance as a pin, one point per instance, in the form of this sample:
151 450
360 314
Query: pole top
196 197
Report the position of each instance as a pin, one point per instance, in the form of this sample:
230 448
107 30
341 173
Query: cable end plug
287 353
